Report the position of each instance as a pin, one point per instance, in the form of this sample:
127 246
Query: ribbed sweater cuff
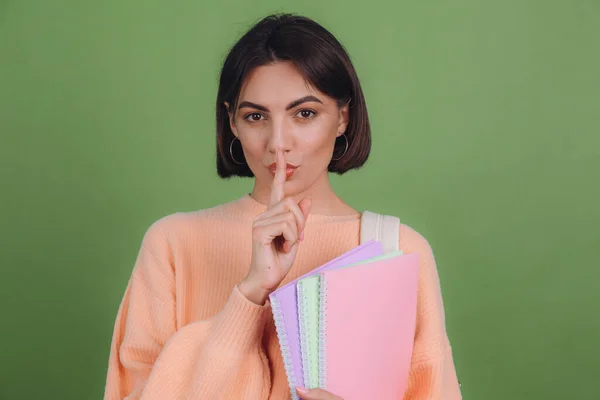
240 323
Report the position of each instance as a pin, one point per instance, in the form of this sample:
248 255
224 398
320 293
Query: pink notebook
367 327
284 305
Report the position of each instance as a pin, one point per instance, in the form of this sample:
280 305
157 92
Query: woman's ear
344 113
231 119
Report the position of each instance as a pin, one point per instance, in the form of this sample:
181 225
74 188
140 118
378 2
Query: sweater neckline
254 207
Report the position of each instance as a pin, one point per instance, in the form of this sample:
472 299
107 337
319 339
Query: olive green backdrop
485 118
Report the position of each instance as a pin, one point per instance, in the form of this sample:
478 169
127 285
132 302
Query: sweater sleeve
432 374
151 359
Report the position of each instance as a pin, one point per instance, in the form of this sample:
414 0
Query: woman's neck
324 199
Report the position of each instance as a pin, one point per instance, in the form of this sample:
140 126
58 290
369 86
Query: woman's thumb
304 206
316 394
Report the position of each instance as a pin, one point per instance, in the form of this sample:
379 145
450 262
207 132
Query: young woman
195 321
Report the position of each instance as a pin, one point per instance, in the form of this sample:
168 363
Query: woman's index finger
277 187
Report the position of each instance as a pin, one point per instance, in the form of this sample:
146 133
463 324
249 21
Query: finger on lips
279 204
277 187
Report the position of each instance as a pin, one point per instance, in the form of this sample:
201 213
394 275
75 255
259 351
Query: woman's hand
316 394
275 237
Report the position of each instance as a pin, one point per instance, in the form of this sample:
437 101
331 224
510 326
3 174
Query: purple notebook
284 304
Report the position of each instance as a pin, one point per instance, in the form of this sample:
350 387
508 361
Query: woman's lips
289 170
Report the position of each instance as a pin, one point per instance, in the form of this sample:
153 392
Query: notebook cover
367 325
308 316
284 305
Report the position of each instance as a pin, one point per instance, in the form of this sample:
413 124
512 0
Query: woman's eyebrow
304 99
250 104
293 104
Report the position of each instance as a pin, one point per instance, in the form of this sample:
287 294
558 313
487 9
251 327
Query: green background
486 140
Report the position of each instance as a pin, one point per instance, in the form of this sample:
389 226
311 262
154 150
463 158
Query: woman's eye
307 114
253 117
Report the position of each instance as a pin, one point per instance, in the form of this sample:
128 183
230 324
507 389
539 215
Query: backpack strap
383 228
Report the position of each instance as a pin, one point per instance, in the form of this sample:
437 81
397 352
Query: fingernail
302 236
301 390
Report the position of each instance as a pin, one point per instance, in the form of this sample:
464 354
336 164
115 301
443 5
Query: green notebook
308 318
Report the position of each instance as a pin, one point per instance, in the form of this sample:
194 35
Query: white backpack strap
383 228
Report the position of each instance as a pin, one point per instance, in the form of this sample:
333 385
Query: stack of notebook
348 326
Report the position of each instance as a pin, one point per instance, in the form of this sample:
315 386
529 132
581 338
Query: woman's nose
280 138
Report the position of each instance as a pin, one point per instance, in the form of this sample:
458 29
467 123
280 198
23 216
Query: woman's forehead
277 85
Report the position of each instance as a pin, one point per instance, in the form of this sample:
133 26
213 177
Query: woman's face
279 111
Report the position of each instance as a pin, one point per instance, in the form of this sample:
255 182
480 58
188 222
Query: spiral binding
323 333
302 311
284 346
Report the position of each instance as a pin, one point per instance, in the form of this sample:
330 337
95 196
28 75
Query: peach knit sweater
184 331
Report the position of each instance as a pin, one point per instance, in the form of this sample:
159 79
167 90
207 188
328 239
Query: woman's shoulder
182 223
412 240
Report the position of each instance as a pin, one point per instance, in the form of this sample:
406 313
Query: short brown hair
323 62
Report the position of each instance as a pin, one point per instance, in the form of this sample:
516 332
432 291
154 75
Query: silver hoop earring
231 152
345 150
